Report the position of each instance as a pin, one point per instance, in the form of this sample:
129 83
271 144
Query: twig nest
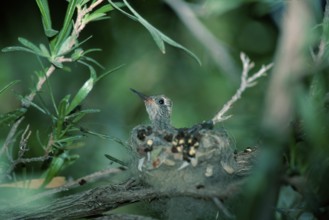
180 158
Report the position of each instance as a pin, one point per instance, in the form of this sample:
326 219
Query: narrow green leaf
70 139
77 54
91 69
104 9
44 50
8 118
9 85
66 26
55 167
17 48
111 158
57 64
85 111
95 17
115 5
75 46
46 19
173 43
83 2
99 14
80 43
82 93
78 115
93 61
157 35
62 107
109 72
92 50
50 32
66 46
30 45
39 108
103 136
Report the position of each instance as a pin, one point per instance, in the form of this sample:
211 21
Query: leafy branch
159 38
63 47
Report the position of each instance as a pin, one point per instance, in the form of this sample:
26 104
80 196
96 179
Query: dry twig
10 137
246 82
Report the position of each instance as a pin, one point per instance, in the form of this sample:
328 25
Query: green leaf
82 42
116 160
157 35
103 136
98 14
91 69
66 46
57 64
104 9
92 50
63 106
55 167
65 31
93 61
17 48
30 45
70 139
39 108
10 117
75 117
109 72
95 17
77 54
44 50
83 2
9 85
46 19
82 93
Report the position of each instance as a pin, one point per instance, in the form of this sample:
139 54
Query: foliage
64 47
290 181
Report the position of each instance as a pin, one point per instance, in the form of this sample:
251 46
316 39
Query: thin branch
29 98
23 143
105 198
33 159
246 82
79 182
217 50
10 137
80 23
98 200
221 206
22 149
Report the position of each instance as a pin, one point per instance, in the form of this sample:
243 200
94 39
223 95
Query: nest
190 157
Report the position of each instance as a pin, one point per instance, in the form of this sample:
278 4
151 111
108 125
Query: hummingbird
164 144
159 109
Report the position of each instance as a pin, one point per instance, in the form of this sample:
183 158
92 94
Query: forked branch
246 82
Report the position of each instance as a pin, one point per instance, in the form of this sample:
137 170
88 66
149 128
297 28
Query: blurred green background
198 92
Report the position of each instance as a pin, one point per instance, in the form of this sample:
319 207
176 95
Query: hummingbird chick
159 109
162 144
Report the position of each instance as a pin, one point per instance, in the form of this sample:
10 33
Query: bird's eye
161 101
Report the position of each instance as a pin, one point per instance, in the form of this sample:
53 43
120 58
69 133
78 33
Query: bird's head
159 109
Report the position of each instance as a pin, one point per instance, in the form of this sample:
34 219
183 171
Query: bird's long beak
145 98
